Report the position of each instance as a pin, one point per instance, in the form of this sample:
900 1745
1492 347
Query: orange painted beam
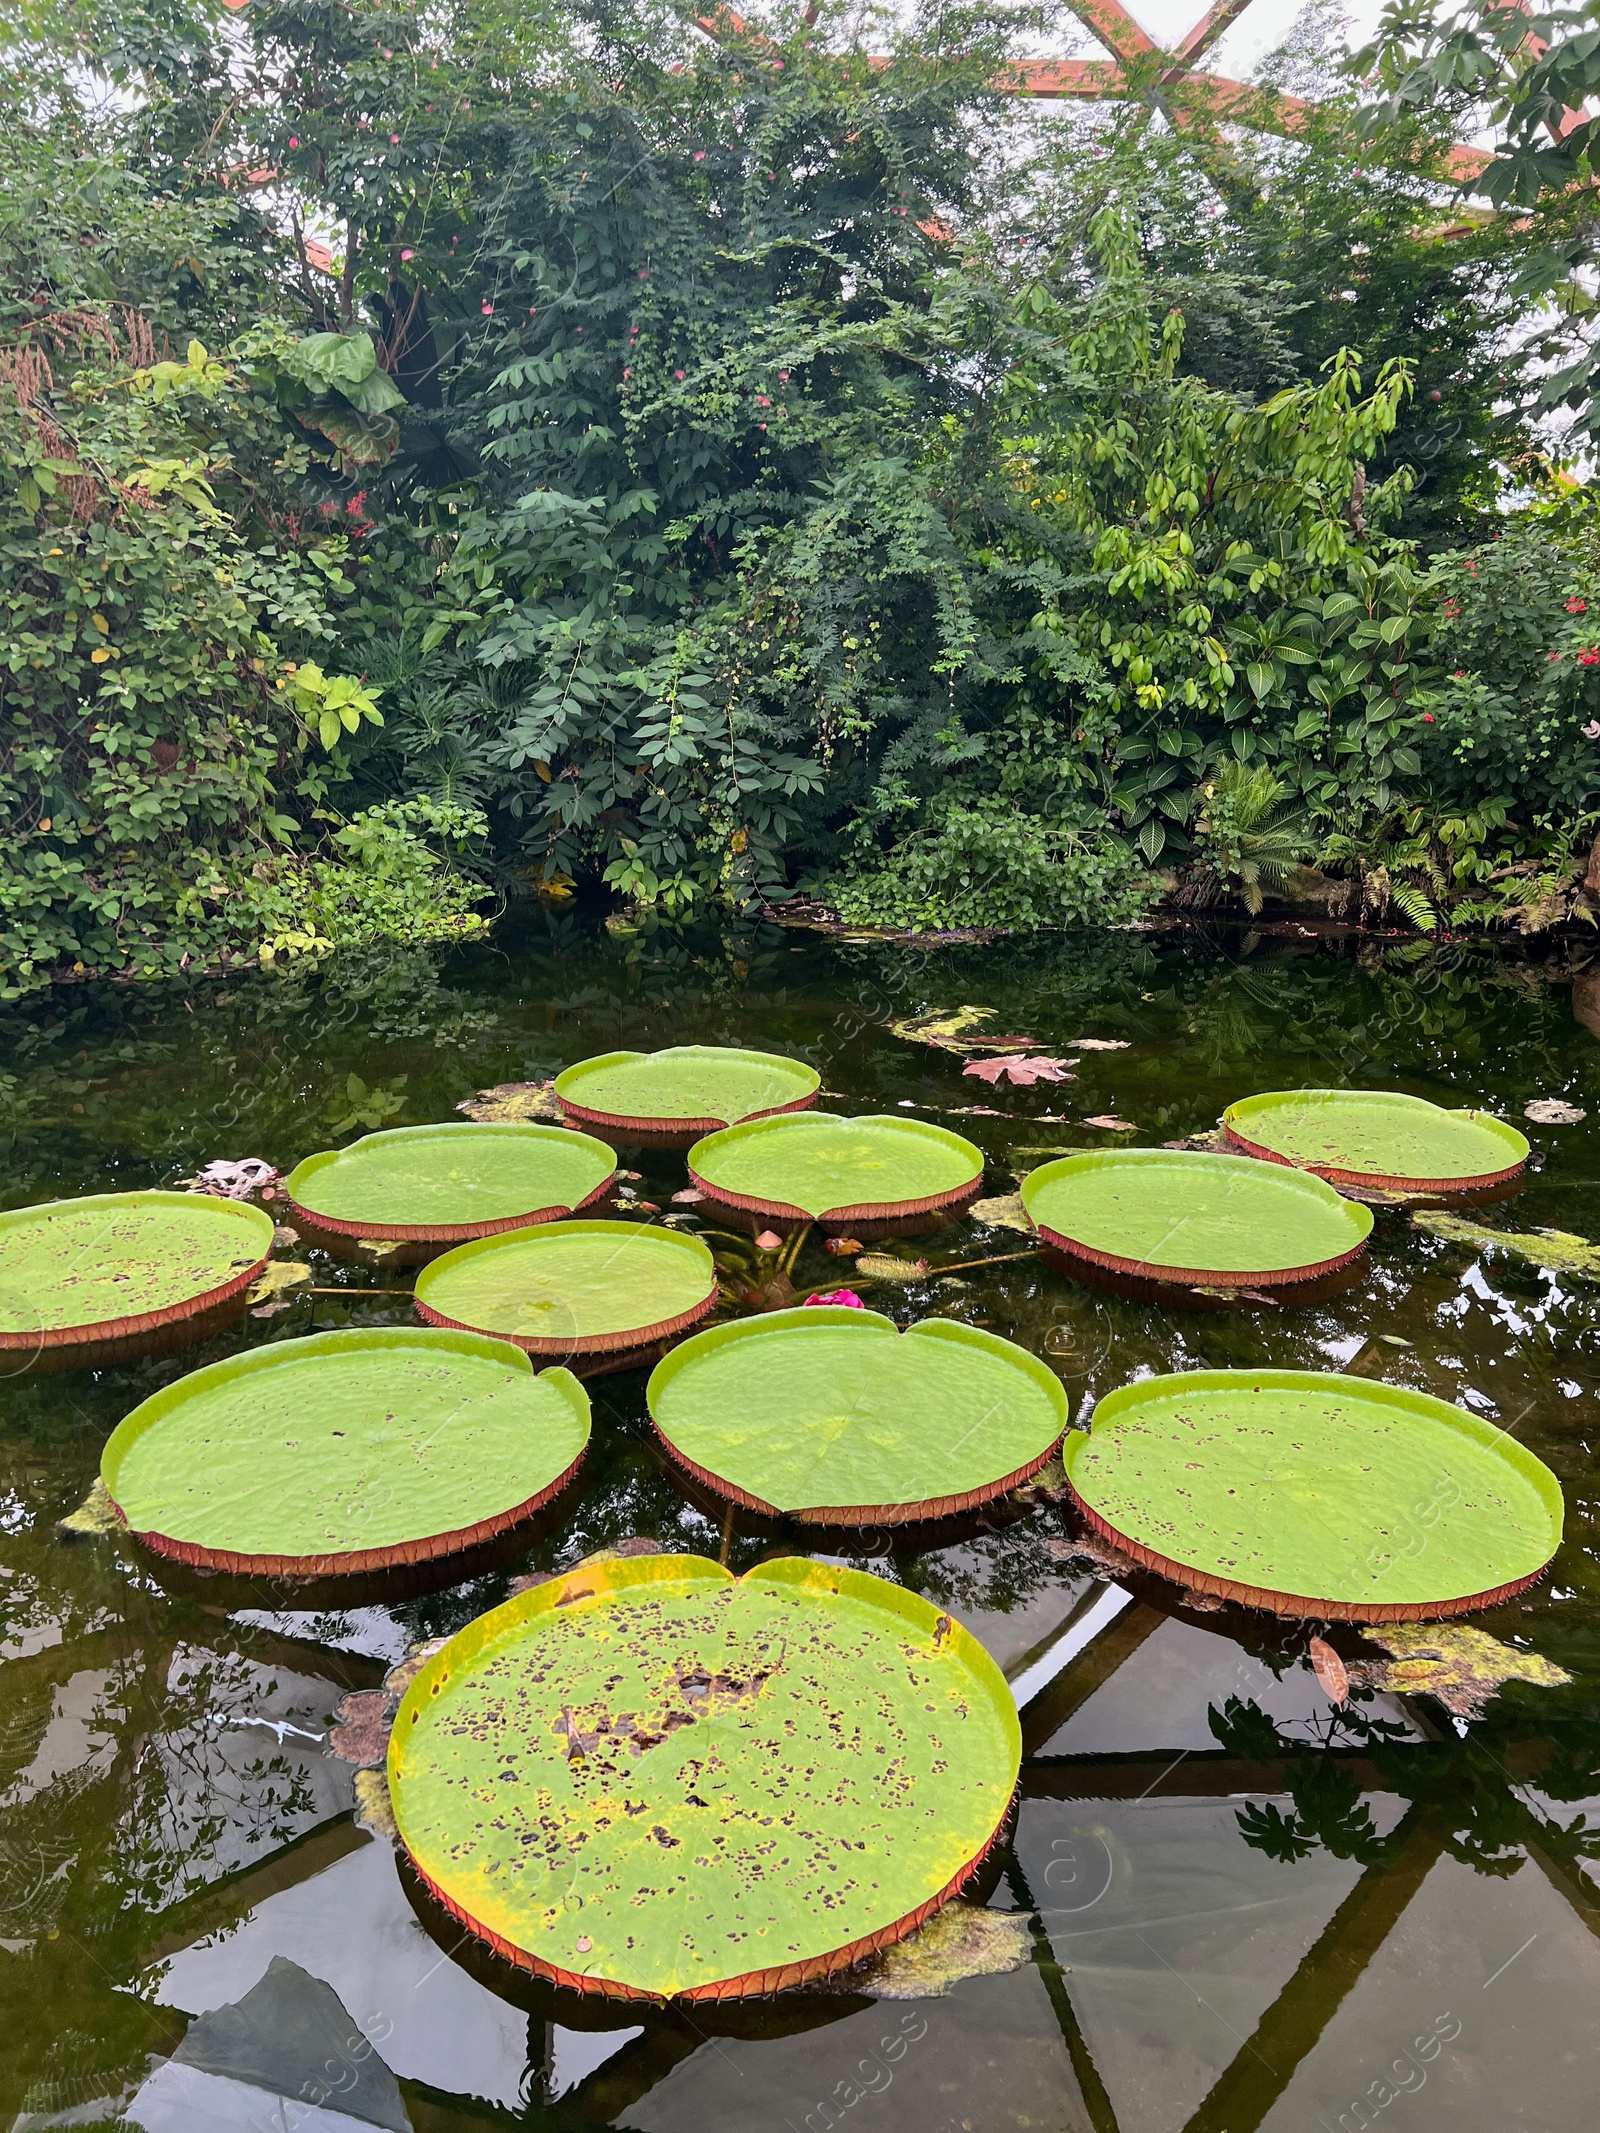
1114 26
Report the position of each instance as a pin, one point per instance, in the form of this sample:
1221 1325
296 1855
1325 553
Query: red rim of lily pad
583 1584
129 1326
400 1557
839 1218
754 1984
1169 1500
1181 1276
1296 1605
851 1515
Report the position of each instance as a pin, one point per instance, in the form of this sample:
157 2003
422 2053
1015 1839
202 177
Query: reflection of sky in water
1279 1923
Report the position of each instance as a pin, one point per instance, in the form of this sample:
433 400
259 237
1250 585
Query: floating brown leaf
1109 1124
1459 1667
1329 1668
362 1734
1551 1111
688 1197
842 1247
1099 1044
1019 1067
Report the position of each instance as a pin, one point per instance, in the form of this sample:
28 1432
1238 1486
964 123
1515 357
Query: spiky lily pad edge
716 1196
1384 1180
750 1984
1298 1606
672 1132
1152 1270
878 1514
623 1342
399 1555
441 1232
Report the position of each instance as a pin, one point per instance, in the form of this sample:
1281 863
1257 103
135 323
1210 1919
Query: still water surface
1244 1910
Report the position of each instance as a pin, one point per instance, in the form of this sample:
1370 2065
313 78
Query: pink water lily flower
848 1297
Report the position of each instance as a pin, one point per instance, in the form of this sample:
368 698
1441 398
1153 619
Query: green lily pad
653 1780
346 1452
1313 1494
830 1414
121 1262
1174 1216
688 1088
822 1168
448 1183
573 1288
1377 1137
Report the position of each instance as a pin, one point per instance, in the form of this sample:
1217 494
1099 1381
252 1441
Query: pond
1239 1906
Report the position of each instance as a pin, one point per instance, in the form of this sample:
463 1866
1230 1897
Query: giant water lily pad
1377 1137
1314 1494
830 1414
79 1271
653 1780
346 1452
686 1090
1168 1215
820 1168
573 1288
445 1184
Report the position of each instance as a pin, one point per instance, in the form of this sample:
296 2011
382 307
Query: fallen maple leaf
1018 1067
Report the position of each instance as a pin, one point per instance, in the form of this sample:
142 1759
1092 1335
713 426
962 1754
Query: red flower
1460 674
677 373
1590 658
1577 607
1427 718
1552 656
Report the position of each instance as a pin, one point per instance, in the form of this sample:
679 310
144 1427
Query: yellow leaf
543 770
99 656
101 624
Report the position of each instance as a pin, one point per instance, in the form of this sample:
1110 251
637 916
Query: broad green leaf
1178 1214
815 1164
1335 1494
74 1264
452 1177
808 1755
1377 1137
688 1085
832 1408
383 1441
